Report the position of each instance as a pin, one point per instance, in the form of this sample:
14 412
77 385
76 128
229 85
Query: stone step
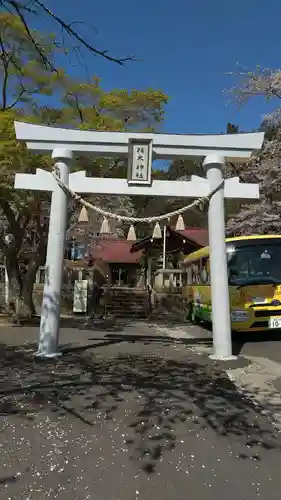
132 315
128 303
125 300
126 311
128 306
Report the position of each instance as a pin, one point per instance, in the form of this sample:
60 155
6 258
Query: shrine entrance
140 149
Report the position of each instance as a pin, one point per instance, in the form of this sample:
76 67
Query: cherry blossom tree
264 216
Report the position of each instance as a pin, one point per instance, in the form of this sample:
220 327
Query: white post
7 286
218 262
50 314
164 246
149 271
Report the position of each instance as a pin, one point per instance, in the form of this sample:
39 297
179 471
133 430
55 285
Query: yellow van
254 275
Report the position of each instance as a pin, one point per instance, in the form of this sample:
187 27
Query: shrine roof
194 238
198 235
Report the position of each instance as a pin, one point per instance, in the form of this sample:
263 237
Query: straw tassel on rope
180 224
105 229
157 233
83 216
131 236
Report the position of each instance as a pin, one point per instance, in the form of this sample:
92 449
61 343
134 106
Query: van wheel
195 320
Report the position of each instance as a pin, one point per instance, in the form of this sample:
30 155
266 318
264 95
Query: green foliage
89 107
23 74
14 157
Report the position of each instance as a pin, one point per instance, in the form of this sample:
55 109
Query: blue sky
185 49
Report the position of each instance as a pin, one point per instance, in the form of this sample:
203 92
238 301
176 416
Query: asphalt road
265 344
129 419
260 344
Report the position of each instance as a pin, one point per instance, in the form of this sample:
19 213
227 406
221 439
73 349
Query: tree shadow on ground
83 323
167 398
109 323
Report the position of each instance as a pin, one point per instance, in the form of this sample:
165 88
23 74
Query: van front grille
267 314
259 324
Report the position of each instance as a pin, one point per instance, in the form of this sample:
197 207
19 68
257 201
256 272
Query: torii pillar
142 148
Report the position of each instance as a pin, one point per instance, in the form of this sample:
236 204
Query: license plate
275 322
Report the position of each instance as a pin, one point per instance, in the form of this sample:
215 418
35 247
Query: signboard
80 296
140 162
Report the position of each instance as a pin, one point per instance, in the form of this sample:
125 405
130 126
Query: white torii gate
142 149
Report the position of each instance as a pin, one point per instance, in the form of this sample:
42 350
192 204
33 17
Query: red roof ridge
113 250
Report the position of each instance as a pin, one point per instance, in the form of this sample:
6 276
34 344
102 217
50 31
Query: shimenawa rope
200 202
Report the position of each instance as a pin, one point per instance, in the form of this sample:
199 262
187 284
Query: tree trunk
27 296
21 306
28 286
14 285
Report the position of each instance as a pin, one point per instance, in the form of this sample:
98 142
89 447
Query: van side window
189 275
205 271
195 274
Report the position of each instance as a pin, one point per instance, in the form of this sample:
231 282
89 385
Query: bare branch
47 63
20 8
16 100
68 28
5 84
79 110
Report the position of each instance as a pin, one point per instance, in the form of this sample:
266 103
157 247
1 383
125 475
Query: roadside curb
254 381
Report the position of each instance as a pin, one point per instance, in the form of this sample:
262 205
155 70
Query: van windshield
254 264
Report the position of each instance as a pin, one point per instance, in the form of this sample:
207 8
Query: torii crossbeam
216 149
